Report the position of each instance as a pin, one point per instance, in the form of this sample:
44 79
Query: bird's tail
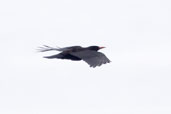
57 56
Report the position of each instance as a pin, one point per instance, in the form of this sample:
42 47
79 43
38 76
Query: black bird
76 53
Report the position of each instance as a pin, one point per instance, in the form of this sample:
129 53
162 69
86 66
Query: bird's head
95 48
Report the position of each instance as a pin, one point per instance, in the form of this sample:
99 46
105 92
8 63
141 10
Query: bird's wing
48 48
93 58
69 48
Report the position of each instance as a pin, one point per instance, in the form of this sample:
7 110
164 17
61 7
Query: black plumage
76 53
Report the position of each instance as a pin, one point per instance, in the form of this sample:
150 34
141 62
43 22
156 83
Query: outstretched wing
48 48
93 58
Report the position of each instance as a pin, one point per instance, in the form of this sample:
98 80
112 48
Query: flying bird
76 53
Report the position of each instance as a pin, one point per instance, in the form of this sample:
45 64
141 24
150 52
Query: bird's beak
101 47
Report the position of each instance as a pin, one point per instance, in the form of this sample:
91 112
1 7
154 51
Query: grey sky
138 40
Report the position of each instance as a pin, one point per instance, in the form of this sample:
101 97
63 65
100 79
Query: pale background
137 34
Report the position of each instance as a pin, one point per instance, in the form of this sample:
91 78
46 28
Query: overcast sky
137 34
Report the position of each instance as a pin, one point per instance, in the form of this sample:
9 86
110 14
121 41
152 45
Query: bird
77 53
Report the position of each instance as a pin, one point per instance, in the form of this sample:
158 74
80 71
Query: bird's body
76 53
